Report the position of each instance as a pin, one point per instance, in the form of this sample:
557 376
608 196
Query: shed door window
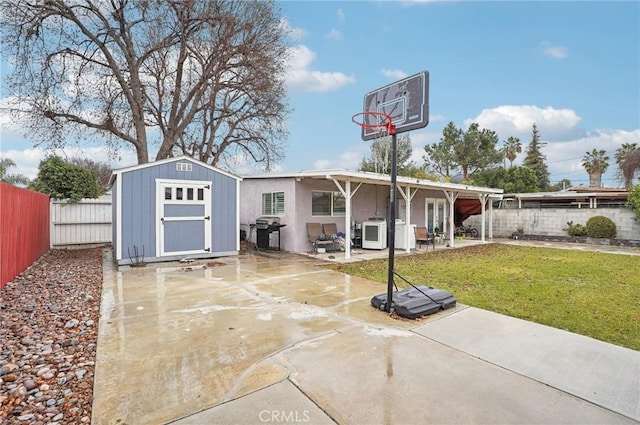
186 194
273 203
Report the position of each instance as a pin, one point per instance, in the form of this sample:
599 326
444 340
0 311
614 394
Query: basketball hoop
375 122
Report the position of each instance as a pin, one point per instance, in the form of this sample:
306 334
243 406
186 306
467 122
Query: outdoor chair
423 236
319 239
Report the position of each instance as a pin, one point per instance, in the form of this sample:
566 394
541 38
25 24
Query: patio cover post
451 197
346 192
483 202
491 220
408 197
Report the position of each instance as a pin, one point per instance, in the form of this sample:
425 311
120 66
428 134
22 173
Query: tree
380 160
628 161
62 180
595 163
534 159
511 180
471 150
12 179
101 170
440 157
477 150
561 185
633 200
203 78
511 148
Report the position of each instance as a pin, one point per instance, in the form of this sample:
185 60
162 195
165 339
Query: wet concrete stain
173 342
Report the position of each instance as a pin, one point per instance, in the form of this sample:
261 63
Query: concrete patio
254 339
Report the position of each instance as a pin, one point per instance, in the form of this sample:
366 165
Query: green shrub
633 200
575 229
601 227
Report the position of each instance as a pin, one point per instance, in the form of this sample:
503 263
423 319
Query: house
173 209
351 199
574 197
547 214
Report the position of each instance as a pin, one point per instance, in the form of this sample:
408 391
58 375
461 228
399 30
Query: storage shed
174 209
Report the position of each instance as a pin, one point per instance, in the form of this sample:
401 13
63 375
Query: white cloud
393 74
334 34
564 159
517 120
348 160
555 52
436 117
340 15
295 33
301 78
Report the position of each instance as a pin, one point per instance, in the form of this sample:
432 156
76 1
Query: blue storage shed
174 209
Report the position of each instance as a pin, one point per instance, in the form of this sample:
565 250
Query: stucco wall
553 221
368 201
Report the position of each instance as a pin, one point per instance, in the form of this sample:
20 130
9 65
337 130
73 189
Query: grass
589 293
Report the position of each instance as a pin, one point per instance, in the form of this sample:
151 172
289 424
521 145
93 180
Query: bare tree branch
206 78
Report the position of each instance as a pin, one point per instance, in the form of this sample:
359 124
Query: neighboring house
547 213
340 197
173 209
575 197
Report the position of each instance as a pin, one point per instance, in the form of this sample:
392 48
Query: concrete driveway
255 339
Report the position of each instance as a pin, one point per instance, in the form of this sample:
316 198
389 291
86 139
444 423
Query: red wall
24 229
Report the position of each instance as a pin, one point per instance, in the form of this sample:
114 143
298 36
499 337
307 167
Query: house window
327 203
273 203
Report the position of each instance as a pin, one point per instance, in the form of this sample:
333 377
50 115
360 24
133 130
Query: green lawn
590 293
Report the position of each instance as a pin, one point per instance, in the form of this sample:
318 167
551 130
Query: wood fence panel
85 222
24 229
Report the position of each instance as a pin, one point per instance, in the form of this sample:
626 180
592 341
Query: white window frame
332 212
275 207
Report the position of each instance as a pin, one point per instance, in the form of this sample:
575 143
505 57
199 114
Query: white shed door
183 214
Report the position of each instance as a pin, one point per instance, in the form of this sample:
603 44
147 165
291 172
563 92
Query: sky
572 68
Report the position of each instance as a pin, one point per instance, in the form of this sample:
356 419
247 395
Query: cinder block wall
553 221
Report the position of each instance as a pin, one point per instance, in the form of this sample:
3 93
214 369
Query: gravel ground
48 339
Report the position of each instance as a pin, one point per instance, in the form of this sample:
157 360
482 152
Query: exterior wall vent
184 166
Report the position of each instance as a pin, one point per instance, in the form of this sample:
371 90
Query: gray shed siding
138 208
114 217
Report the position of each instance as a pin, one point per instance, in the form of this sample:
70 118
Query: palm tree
511 148
628 160
12 179
595 163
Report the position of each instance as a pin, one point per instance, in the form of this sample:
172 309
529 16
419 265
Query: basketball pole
391 231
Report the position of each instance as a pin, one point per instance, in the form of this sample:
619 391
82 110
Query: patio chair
331 231
317 238
423 236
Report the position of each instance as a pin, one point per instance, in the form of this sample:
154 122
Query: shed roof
382 179
116 173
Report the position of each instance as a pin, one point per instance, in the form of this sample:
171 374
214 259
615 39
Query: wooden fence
85 222
24 229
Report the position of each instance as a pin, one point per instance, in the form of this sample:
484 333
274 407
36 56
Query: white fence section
85 222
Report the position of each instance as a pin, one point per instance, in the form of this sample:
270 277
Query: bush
62 180
633 200
575 229
601 227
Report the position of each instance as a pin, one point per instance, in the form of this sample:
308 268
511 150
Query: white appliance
401 239
374 234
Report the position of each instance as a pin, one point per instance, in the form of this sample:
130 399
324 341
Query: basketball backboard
406 101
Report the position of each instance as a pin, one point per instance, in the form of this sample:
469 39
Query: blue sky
573 68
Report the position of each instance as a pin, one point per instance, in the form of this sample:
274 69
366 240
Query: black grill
264 227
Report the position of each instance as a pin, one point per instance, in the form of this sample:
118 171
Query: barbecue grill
264 227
